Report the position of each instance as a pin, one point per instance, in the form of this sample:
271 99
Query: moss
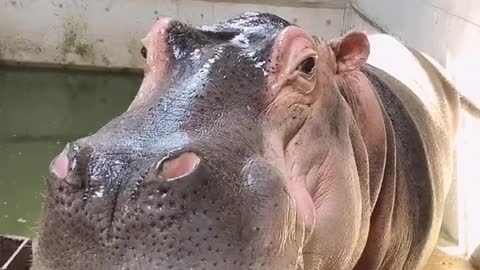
106 61
84 50
72 44
3 49
69 40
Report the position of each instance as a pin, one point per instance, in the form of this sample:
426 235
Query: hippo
252 144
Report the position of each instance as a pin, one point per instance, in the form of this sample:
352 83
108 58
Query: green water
40 111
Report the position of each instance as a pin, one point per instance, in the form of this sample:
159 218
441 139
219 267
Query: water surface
41 111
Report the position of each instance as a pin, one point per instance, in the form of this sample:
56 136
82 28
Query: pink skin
170 170
179 167
325 153
59 166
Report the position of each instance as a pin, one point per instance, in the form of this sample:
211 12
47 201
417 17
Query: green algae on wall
75 43
3 49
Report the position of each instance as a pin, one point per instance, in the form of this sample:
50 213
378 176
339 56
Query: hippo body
254 145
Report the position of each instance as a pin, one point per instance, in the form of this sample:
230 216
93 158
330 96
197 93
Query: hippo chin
254 145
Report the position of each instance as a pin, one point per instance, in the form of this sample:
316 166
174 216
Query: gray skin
254 145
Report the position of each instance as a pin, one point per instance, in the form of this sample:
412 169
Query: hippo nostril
65 166
173 168
60 165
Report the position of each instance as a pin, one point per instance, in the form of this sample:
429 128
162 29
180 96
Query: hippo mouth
179 214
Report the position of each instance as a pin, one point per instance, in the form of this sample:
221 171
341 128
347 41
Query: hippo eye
143 51
307 66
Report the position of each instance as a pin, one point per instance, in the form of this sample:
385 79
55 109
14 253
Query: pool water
40 111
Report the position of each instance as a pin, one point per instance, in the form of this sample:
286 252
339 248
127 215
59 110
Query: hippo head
238 152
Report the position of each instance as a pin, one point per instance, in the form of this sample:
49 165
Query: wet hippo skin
254 145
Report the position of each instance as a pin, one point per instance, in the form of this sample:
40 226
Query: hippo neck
413 202
399 179
378 136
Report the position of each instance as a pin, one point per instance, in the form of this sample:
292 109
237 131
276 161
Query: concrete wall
449 31
107 33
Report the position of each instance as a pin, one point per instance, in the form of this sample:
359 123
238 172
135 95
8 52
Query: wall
107 33
449 31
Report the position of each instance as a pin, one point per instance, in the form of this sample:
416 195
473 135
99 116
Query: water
40 111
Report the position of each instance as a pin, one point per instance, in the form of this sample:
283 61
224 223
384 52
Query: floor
442 261
438 261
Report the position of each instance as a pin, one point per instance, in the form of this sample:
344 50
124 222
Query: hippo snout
173 211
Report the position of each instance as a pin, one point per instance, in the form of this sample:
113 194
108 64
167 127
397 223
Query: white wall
448 30
107 32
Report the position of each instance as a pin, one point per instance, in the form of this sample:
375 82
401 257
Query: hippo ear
351 51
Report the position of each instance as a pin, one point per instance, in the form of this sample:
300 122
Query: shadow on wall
461 59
